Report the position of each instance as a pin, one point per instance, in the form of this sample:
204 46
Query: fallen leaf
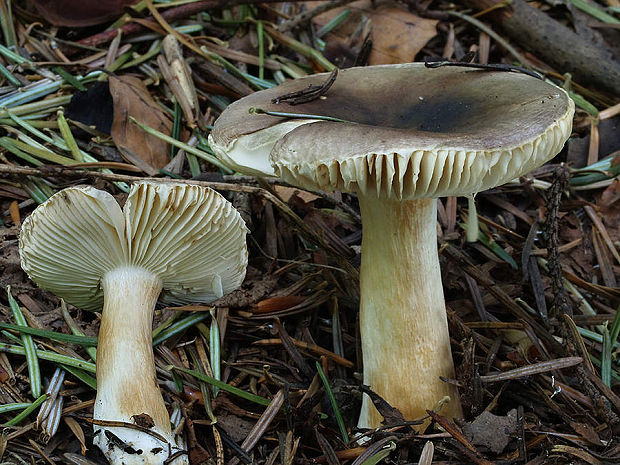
276 304
609 203
132 99
4 375
286 193
237 428
491 431
586 431
76 429
14 212
397 34
144 420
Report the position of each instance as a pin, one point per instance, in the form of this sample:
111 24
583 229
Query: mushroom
183 242
400 136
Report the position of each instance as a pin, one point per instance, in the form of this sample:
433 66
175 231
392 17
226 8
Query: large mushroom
182 242
400 136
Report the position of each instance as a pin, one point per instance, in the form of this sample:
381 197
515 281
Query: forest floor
532 305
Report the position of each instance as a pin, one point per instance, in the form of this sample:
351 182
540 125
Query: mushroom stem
404 329
126 382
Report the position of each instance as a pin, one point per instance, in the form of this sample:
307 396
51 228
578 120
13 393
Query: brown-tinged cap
408 131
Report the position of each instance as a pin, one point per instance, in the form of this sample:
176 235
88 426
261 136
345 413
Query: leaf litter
538 385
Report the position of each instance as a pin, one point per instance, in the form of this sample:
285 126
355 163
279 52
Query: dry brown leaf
286 193
397 34
610 196
276 304
4 375
131 98
586 431
77 431
14 212
237 428
492 431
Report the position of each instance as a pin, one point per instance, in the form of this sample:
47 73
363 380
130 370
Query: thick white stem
126 382
404 329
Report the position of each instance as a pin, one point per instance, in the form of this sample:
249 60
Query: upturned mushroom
180 242
400 136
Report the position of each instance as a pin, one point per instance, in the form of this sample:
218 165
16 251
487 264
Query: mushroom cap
189 236
409 131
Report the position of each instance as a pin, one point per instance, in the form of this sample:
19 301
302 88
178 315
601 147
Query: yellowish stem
126 382
404 329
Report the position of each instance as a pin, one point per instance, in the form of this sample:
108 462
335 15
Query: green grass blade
582 103
75 329
82 376
214 349
333 23
260 33
51 357
12 407
595 12
223 386
68 77
182 145
34 191
43 105
11 55
42 153
7 144
380 455
332 400
610 340
606 357
29 127
597 363
179 326
53 335
6 23
614 331
30 350
27 411
65 131
494 247
153 50
9 77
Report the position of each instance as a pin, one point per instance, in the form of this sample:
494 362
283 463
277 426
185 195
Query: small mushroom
400 136
182 242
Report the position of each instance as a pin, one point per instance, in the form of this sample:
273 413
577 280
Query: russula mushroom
407 135
182 242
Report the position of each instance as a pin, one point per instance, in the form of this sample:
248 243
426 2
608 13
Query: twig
558 44
171 14
309 347
529 370
499 39
309 14
485 66
261 425
456 255
308 94
561 304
